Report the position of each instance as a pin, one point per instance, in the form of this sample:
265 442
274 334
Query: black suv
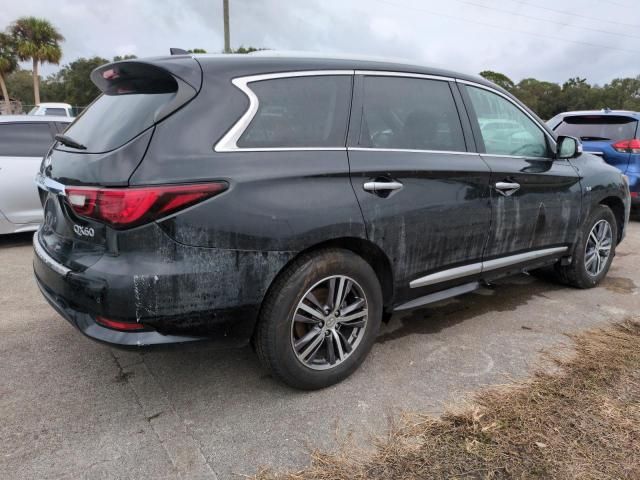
297 201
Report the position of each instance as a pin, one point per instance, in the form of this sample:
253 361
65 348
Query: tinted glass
113 120
410 113
505 129
300 112
24 139
598 127
55 111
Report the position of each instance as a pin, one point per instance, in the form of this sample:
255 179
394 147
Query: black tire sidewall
582 277
313 269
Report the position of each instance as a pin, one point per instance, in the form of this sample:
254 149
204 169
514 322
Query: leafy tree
242 49
499 79
197 50
20 84
119 58
39 41
8 65
541 97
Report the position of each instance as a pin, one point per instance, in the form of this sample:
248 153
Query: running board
437 296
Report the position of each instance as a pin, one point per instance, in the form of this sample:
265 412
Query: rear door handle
507 188
382 186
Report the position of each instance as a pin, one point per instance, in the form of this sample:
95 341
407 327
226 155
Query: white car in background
57 109
24 140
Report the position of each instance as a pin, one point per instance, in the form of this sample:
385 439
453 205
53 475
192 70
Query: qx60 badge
84 231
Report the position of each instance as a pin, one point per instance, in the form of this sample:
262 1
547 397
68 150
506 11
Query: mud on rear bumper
184 296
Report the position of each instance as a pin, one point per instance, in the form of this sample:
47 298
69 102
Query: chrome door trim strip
48 184
229 142
476 268
509 99
445 275
390 73
46 258
521 257
410 150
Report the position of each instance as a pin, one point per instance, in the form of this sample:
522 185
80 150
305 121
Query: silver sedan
24 140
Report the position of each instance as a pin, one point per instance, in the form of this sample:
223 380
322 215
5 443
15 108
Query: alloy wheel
598 248
329 322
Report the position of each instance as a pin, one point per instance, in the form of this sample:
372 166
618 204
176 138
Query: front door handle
382 186
507 188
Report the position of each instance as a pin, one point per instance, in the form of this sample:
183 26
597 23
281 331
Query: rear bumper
191 293
88 326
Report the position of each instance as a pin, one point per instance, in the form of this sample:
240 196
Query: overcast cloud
464 35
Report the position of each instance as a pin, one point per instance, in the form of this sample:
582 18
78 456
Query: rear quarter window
25 139
299 112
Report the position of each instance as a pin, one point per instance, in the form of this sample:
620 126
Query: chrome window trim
229 142
510 100
410 150
485 266
389 73
521 157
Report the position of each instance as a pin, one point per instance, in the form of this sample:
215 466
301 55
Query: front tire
319 319
593 252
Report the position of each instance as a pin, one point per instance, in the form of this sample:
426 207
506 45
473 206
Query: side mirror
568 147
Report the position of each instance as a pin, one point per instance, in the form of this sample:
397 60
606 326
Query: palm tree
8 64
39 41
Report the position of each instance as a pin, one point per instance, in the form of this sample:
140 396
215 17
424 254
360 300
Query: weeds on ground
580 421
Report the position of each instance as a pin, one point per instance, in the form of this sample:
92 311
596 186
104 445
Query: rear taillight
627 146
129 207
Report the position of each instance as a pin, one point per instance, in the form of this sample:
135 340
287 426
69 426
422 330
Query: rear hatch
605 135
104 146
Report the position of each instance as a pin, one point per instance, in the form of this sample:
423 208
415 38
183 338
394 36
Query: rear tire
302 336
593 251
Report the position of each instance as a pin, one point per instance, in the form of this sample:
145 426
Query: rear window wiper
594 139
69 142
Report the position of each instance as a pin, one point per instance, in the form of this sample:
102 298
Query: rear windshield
598 127
113 120
133 96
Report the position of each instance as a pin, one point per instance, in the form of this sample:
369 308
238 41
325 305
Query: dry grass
582 421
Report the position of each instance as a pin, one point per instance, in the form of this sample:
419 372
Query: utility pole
225 7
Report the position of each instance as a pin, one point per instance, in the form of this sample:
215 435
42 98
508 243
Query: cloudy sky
599 39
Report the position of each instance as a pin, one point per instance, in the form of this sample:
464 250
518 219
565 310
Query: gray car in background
24 140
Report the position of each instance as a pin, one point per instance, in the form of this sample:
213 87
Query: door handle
382 186
507 188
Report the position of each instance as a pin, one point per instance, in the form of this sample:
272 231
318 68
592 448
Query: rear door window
410 113
24 139
598 127
300 112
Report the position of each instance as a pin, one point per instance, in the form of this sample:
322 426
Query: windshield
113 120
598 127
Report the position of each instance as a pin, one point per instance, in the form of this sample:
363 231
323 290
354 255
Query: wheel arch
365 249
617 207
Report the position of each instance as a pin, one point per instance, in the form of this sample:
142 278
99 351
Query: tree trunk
5 94
36 83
